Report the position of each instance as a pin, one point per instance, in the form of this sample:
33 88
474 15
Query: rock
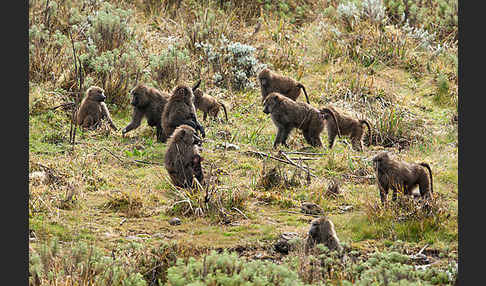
38 177
311 208
282 245
228 146
174 221
345 208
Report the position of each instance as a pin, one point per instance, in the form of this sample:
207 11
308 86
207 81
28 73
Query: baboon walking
273 82
93 109
182 159
180 110
208 104
403 176
346 126
322 231
147 102
288 114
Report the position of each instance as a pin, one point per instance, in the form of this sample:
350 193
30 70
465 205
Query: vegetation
99 210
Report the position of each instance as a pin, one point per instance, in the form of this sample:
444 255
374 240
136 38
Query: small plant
130 203
168 67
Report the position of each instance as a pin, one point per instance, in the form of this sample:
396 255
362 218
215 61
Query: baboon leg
281 138
205 116
136 120
357 144
424 188
383 194
88 122
314 141
160 133
331 136
394 194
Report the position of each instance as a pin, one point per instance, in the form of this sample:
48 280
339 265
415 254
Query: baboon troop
147 102
182 159
401 176
93 109
208 105
346 126
180 110
272 82
322 231
287 114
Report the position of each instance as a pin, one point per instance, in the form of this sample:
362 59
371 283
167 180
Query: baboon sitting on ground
208 105
147 102
403 176
180 110
272 82
288 114
93 109
346 126
182 159
322 231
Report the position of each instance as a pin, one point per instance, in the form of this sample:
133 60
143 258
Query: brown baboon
403 176
182 159
347 126
208 104
147 102
93 109
322 231
272 82
180 110
288 114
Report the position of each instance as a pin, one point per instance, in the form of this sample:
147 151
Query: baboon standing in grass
182 159
208 104
93 109
322 231
272 82
180 110
288 114
346 126
403 176
147 102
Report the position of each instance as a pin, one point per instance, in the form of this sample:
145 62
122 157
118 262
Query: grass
122 195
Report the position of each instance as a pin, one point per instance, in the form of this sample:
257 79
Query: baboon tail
224 109
369 128
196 85
305 92
327 110
430 173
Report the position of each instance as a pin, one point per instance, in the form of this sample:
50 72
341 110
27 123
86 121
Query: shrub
168 67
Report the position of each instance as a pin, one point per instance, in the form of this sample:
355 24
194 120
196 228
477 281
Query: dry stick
280 160
306 153
130 161
303 158
77 72
236 209
317 216
297 165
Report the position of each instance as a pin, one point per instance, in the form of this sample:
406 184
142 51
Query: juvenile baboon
93 109
180 110
208 104
147 102
182 159
322 231
346 126
288 114
272 82
403 176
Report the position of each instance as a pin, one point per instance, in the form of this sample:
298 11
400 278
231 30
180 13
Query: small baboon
346 126
322 231
147 102
401 176
93 109
288 114
208 104
182 159
180 110
272 82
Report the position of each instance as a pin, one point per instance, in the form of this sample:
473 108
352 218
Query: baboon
208 104
288 114
180 110
147 102
346 126
182 159
403 176
322 231
272 82
93 109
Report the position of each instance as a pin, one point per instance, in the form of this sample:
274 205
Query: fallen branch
307 169
281 160
236 209
316 216
306 153
130 160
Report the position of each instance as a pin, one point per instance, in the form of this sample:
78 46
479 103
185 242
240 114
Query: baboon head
96 94
315 229
381 159
183 93
270 103
139 96
263 76
187 134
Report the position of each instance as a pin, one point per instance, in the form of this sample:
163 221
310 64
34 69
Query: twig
304 158
123 220
280 160
317 216
236 209
130 160
297 165
62 105
306 153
